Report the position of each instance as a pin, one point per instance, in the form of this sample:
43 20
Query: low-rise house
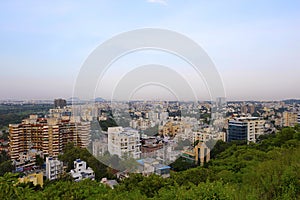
26 161
36 179
81 172
54 168
150 166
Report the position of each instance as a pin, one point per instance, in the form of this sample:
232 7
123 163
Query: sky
254 44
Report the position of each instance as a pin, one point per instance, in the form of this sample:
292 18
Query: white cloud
163 2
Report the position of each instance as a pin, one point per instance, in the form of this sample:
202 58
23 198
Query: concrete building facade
54 168
290 118
81 171
124 142
49 135
245 128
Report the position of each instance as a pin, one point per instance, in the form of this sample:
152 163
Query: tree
182 164
39 161
5 167
9 188
71 153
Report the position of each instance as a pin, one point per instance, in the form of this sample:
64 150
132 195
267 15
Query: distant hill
73 100
291 101
99 99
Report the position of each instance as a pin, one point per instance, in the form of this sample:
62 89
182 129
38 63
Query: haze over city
150 99
254 45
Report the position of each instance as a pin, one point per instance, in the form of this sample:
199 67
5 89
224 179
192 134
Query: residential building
49 135
124 142
54 168
245 128
83 137
36 179
26 160
290 118
81 171
150 166
200 154
206 135
149 146
170 129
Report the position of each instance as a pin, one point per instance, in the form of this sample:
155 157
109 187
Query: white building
81 172
54 168
124 142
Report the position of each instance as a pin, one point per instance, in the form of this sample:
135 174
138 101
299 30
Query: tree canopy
269 169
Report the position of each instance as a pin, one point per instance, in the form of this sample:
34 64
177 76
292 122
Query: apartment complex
170 129
124 142
49 135
290 118
245 128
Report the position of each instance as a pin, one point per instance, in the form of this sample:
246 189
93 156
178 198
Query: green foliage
267 170
182 164
216 190
4 135
9 189
6 166
14 113
109 122
74 190
72 153
148 186
39 161
3 156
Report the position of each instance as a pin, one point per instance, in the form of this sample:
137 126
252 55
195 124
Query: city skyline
254 45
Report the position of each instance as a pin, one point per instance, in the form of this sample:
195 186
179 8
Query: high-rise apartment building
245 128
124 142
290 118
49 135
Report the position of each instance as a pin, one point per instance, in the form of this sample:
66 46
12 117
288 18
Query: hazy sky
254 44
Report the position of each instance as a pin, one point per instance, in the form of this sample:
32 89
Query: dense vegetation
5 163
72 153
109 122
267 170
15 113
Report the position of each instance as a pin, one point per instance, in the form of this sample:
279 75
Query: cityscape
152 99
157 137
